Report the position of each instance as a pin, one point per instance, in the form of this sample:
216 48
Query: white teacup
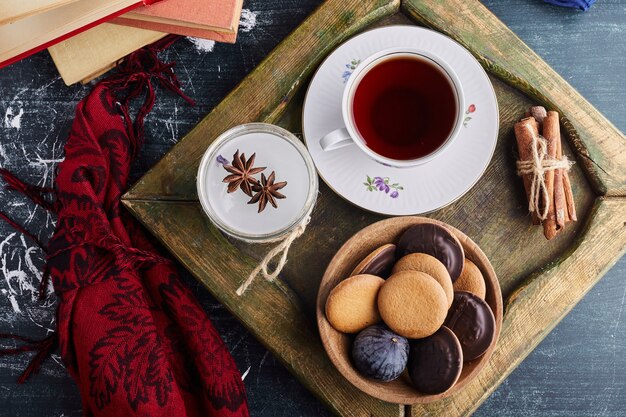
349 134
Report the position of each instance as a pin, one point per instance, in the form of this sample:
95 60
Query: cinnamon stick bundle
552 205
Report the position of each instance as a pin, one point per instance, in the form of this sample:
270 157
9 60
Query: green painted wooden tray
540 280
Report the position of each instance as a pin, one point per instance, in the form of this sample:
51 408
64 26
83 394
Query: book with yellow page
97 50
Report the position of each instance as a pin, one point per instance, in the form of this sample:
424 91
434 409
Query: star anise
242 172
267 191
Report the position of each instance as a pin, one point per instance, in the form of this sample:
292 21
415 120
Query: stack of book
86 38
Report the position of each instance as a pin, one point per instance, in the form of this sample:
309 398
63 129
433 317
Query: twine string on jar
281 249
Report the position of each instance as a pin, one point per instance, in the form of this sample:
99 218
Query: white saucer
401 191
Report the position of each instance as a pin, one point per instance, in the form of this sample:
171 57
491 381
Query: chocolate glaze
473 323
435 362
380 264
436 241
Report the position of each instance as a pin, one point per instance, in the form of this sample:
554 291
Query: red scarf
134 338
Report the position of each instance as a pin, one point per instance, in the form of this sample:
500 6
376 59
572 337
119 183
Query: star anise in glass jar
267 191
242 172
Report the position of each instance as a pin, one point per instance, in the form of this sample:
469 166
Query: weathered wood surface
493 213
575 372
495 201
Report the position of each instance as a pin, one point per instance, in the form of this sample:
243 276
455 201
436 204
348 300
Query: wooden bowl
338 345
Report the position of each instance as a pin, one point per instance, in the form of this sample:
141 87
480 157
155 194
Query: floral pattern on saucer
471 109
382 184
350 69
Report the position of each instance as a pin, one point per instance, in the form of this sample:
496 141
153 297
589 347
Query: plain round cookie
430 265
471 280
351 306
412 304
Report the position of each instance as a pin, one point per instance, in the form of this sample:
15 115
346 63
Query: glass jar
279 151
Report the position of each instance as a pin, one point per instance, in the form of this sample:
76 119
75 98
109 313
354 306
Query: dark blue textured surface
577 371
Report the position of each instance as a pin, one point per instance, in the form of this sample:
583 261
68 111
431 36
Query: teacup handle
336 139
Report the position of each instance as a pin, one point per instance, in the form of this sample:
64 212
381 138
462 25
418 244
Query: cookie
436 241
473 323
435 362
377 263
351 305
430 265
412 304
471 280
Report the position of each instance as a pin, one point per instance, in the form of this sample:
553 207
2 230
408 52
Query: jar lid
237 213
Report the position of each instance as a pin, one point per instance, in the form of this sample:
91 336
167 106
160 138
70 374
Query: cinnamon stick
556 200
539 113
569 197
559 192
535 113
525 132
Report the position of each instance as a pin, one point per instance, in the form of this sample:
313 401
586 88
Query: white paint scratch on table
202 45
245 374
248 20
17 281
13 117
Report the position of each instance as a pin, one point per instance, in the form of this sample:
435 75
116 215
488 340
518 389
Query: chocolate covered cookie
430 265
378 263
412 304
436 241
435 362
351 305
473 323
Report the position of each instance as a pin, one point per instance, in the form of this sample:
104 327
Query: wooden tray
541 281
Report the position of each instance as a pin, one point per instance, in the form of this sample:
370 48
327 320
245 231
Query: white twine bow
282 247
537 166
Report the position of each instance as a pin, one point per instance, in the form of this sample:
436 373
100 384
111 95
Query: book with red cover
197 18
30 34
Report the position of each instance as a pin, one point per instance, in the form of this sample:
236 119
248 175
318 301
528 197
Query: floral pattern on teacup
471 109
382 184
350 69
